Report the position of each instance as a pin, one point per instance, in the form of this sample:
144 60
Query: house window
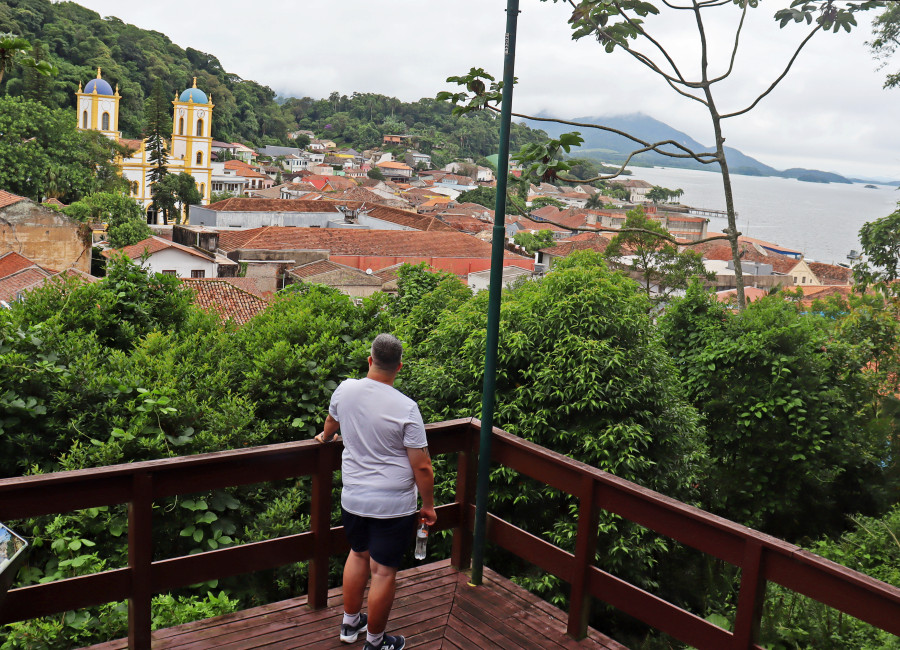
198 273
84 122
199 157
180 126
105 122
199 127
169 272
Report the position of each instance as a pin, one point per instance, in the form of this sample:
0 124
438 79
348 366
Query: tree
123 216
156 115
886 28
43 153
785 403
534 241
375 173
662 269
595 202
14 49
621 24
662 194
603 391
543 201
880 265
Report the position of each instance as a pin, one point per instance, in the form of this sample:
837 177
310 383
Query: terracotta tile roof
381 243
243 169
831 274
241 204
721 250
7 198
752 294
223 296
334 274
153 245
20 280
68 273
587 236
528 224
133 145
811 293
56 202
771 245
388 273
394 165
12 262
465 223
564 249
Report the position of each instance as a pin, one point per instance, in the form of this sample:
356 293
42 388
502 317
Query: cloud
831 106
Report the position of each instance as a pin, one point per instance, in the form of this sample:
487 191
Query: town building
190 147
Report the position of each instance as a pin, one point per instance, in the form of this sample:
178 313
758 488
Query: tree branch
737 38
778 80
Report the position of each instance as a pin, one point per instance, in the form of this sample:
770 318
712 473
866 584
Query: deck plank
435 609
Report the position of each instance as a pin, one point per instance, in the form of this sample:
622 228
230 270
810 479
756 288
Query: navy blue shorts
386 540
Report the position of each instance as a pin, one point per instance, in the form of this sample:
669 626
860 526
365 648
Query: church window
105 122
199 127
202 189
199 157
180 126
84 122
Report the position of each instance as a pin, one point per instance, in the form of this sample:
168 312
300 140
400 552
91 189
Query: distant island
611 148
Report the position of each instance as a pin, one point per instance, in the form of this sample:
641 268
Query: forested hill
78 41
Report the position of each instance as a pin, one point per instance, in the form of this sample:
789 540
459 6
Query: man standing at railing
385 460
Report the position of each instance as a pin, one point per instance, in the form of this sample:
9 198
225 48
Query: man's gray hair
387 352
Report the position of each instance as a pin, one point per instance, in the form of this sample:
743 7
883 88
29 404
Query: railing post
585 549
320 524
466 476
140 556
750 597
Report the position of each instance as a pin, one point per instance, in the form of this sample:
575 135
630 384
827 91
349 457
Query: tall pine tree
156 114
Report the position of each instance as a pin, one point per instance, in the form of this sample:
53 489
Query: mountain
611 148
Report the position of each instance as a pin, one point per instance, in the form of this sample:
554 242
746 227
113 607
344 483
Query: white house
169 258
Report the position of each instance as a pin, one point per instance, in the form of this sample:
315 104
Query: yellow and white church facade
189 148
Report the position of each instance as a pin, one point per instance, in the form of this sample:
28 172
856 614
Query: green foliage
123 216
534 241
784 404
601 390
487 196
14 49
42 153
543 162
543 201
880 241
156 113
886 28
872 547
375 173
659 194
654 259
175 191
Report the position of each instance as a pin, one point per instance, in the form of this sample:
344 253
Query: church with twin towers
188 149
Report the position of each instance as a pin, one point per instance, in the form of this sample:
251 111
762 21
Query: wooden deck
435 608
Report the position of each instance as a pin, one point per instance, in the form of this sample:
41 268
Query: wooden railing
760 557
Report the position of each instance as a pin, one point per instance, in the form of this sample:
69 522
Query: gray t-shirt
378 424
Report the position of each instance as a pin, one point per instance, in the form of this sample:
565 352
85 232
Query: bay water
820 219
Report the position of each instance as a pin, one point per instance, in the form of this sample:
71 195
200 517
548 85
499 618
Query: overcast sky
830 113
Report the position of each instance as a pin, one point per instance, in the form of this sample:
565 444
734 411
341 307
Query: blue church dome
193 94
102 87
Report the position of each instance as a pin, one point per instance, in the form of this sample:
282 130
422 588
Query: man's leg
381 596
356 575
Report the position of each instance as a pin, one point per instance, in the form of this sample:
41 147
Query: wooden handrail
760 557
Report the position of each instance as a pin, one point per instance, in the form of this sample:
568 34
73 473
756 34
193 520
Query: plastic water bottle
421 539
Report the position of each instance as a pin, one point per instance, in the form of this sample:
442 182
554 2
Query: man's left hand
320 437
